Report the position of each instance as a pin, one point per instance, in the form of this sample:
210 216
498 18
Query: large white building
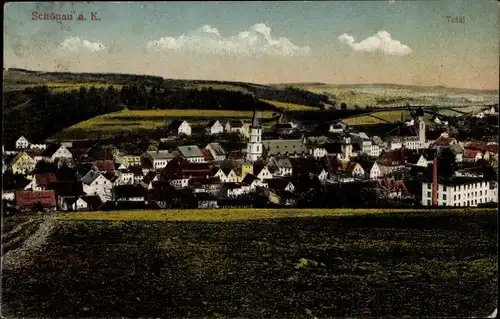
254 146
459 191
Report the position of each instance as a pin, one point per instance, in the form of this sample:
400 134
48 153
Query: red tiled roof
393 185
235 155
25 199
492 148
444 140
107 165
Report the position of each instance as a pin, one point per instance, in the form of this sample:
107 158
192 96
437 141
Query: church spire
256 119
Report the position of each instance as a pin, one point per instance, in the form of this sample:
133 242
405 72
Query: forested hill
19 79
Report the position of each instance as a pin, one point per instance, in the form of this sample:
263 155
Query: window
444 188
444 196
428 202
428 194
428 186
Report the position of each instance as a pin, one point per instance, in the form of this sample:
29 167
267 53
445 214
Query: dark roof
256 119
175 125
333 148
249 178
236 124
458 180
50 150
14 181
122 191
277 183
67 188
108 165
392 157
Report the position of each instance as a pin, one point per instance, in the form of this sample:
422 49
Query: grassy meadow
291 106
116 123
379 117
395 265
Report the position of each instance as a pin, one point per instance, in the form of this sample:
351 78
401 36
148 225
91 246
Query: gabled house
22 143
226 175
210 185
416 159
207 155
22 163
12 183
66 190
214 127
177 128
217 151
253 182
234 126
261 171
280 185
137 172
94 183
392 158
371 169
458 151
355 169
41 181
125 177
55 152
192 153
280 167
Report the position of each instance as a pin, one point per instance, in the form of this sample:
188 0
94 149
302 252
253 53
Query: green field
291 106
418 264
380 117
147 120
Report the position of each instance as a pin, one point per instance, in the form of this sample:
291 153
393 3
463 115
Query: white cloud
257 40
75 44
382 42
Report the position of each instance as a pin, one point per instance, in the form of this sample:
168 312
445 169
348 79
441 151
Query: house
392 158
80 153
129 159
192 153
22 163
280 167
253 182
55 152
234 127
309 166
443 141
41 181
22 143
208 157
158 159
104 165
94 183
177 128
214 127
457 191
355 169
226 175
280 185
137 173
205 200
283 128
416 159
261 170
210 185
336 128
66 190
389 188
74 204
129 193
218 153
290 148
458 152
371 168
28 200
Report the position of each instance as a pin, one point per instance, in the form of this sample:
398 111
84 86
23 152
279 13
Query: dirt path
17 258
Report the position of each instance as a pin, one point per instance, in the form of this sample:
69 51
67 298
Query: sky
335 42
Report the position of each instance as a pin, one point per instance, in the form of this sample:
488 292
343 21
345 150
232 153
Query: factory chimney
434 182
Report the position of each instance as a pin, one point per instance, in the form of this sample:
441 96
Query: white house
22 143
262 172
459 191
253 181
180 182
94 183
372 170
282 167
227 175
54 152
234 126
318 151
159 159
214 127
125 178
179 127
217 151
38 146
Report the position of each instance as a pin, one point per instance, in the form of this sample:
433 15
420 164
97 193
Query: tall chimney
434 182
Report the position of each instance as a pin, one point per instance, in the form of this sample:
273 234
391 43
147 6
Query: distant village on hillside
297 167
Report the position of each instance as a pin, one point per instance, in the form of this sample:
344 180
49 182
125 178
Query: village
400 169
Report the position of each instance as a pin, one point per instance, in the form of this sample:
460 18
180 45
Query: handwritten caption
65 16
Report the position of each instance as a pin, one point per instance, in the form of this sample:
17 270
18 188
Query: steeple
256 119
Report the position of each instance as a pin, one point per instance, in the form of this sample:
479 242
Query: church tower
254 146
421 130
